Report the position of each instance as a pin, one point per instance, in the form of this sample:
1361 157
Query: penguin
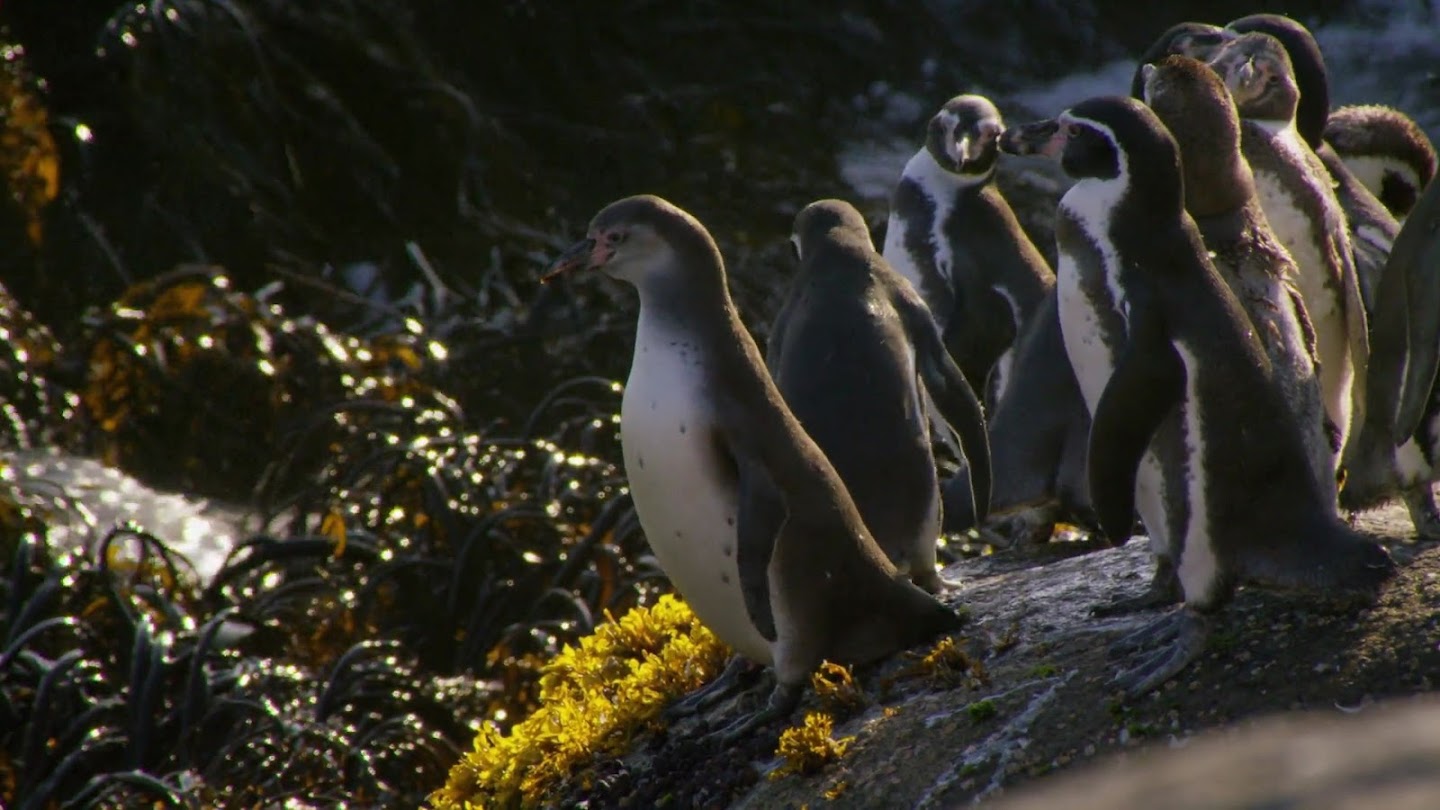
1194 105
1038 434
1386 151
954 236
1295 192
1404 325
846 355
1172 371
1378 470
702 423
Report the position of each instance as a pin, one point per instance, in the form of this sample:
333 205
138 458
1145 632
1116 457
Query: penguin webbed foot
1180 636
932 582
1163 591
783 700
1420 502
729 682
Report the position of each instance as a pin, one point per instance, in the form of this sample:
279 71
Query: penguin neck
1276 126
688 303
932 176
1219 183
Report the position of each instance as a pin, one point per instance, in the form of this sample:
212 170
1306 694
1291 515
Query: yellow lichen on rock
808 747
593 698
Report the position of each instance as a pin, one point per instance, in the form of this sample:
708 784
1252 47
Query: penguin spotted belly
669 446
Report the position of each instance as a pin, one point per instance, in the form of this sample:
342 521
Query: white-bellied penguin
953 235
701 420
1295 192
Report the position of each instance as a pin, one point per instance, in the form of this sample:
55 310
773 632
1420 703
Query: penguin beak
985 132
578 256
1045 138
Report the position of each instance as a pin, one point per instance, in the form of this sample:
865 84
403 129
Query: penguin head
1194 39
1099 139
962 136
1386 150
1191 100
1308 68
832 220
642 240
1260 77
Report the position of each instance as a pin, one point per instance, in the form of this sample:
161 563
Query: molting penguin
701 421
1404 319
1386 150
1193 104
1295 192
1171 369
953 235
854 351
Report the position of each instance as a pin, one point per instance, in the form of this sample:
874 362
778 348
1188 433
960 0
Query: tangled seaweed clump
416 574
593 698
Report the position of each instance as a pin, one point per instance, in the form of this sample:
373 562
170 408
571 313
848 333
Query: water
86 499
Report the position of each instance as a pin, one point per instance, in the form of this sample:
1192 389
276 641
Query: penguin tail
1322 555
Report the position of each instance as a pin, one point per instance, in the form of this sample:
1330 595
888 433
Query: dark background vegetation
441 518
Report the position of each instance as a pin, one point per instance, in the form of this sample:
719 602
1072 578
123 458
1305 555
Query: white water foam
86 499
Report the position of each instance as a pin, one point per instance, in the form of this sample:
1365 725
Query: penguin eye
614 238
1071 130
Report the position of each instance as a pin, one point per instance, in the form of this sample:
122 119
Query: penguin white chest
1080 325
682 483
1320 281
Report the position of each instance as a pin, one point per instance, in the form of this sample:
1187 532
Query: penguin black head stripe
962 136
1099 138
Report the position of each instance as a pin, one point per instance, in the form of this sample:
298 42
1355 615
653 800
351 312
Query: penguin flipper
1146 385
953 397
759 516
1415 258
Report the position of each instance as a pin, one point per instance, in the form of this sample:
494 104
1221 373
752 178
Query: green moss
1046 670
982 710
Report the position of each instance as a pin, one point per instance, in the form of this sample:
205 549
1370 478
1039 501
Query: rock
1386 756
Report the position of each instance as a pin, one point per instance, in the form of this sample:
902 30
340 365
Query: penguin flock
1237 346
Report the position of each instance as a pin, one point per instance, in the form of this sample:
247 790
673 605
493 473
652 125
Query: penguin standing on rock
701 422
1379 469
1172 371
854 346
1193 104
953 235
1295 192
